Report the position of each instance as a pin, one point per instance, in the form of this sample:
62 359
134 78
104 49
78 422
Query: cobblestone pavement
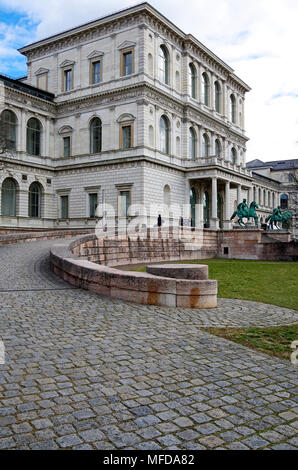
87 372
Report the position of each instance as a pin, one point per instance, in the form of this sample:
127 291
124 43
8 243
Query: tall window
233 155
205 145
127 63
205 89
192 80
67 80
8 124
167 195
217 148
284 201
33 136
96 71
95 135
217 94
124 203
164 135
64 206
8 197
126 136
192 143
66 146
163 62
35 200
233 108
93 202
206 213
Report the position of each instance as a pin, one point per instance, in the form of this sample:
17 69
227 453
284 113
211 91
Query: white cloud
257 38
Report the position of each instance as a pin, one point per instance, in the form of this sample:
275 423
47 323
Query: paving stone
165 375
70 440
91 435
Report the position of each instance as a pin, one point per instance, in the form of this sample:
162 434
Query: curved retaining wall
142 288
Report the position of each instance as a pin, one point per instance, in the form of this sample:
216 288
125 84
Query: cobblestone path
87 372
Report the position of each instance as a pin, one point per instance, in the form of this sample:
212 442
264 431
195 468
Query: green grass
275 340
271 282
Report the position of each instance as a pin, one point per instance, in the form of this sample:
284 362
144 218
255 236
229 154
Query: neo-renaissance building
126 109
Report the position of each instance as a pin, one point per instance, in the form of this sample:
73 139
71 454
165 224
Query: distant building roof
21 86
276 165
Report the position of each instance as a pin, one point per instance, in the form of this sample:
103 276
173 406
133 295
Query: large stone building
282 174
126 109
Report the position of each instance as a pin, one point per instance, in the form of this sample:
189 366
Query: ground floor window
35 200
93 203
206 210
64 201
284 201
124 203
9 197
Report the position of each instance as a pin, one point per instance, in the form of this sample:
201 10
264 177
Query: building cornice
143 13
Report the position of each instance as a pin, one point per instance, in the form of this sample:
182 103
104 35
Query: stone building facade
126 109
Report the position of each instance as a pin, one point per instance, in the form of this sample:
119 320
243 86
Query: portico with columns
217 194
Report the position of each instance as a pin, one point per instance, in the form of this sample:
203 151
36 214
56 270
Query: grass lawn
271 282
274 340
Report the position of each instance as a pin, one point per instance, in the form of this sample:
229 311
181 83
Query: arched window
9 197
205 145
9 129
35 200
192 143
95 135
164 135
205 89
150 64
264 197
217 148
177 78
192 80
33 136
167 195
217 95
233 108
284 201
233 155
269 199
163 61
151 136
273 200
178 146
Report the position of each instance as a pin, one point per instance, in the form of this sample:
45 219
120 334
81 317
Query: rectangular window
124 203
93 202
64 207
126 137
127 62
96 72
42 81
66 146
67 80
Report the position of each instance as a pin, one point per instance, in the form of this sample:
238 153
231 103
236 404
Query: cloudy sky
257 38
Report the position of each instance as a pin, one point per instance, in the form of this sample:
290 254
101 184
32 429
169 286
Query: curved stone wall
143 288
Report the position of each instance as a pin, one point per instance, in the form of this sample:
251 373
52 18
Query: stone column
250 195
200 210
239 194
227 221
186 211
214 219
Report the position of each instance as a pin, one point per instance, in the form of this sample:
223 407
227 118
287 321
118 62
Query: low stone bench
179 290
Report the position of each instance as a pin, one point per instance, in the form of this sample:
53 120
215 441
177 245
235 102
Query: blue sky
258 39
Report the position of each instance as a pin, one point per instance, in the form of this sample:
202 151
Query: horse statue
243 211
283 218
